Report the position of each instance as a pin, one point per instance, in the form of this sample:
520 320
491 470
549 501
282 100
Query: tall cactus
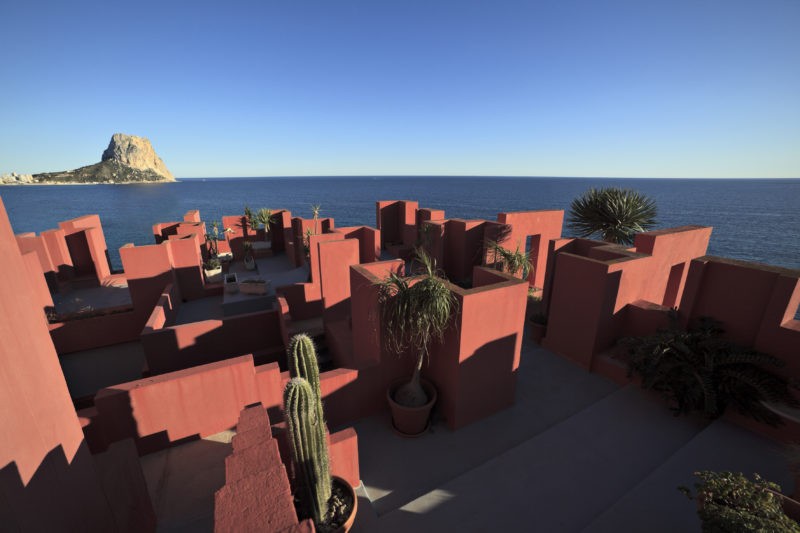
303 361
309 444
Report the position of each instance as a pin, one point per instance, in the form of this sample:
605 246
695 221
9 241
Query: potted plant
328 500
698 370
729 501
231 283
253 286
213 270
415 312
538 327
249 260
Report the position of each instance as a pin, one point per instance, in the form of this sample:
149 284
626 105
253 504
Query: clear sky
636 88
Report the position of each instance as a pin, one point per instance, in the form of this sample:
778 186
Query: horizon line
523 176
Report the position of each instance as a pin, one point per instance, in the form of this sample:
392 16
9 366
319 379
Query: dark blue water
754 220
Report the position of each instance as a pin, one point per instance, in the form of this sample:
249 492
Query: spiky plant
615 214
315 210
515 261
414 315
265 217
729 501
249 217
309 445
302 356
698 370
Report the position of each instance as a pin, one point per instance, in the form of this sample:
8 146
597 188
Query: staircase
575 453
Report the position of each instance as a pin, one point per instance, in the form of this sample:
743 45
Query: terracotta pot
411 421
537 331
344 528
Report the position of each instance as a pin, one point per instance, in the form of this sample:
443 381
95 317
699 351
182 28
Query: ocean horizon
754 219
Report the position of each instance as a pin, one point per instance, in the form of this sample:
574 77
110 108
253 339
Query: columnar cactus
309 444
303 361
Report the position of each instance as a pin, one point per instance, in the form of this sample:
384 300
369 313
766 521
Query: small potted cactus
328 500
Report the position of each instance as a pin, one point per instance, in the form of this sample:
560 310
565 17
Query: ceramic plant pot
348 524
537 332
249 262
411 421
213 275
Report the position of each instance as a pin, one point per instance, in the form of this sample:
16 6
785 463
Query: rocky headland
128 159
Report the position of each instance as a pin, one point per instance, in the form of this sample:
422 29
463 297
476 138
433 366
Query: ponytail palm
615 214
414 315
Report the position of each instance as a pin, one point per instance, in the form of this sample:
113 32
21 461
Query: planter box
537 330
213 275
253 286
231 283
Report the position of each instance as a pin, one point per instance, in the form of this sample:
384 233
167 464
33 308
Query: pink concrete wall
480 353
40 293
592 283
755 304
544 226
187 263
105 330
87 246
335 259
397 222
56 243
48 480
369 239
173 348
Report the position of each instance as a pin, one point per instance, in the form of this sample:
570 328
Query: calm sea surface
754 220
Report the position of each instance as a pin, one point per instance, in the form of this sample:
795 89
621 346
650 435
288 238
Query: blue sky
614 88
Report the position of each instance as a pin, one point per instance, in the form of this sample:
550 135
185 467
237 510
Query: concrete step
655 504
559 480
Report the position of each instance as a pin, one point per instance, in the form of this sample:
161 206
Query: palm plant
315 210
414 315
265 217
250 218
615 214
514 262
698 370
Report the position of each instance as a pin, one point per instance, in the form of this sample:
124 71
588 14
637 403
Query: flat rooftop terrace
575 453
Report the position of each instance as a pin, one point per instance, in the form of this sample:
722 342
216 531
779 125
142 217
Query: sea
753 219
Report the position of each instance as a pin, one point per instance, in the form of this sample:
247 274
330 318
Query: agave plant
615 214
698 370
265 217
414 315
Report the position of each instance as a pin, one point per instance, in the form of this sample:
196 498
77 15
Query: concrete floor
575 453
88 371
114 294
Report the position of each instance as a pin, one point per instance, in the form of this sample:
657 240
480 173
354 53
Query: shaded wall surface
591 284
49 481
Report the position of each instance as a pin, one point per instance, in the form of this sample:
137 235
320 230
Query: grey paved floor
575 453
88 371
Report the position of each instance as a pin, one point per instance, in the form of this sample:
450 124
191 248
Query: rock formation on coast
128 159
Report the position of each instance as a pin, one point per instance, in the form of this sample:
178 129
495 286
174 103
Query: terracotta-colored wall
755 304
93 259
397 222
56 243
187 262
592 283
464 244
105 330
186 345
368 241
48 480
335 259
40 293
544 226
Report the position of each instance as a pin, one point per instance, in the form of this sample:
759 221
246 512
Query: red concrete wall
464 245
544 226
397 222
592 283
192 216
40 293
755 304
105 330
335 259
480 353
257 495
368 241
56 243
174 348
48 481
87 246
187 261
